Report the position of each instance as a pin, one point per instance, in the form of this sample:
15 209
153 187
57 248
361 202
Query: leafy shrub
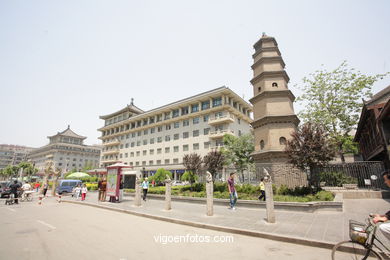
198 187
247 188
189 176
160 176
324 196
91 186
220 186
336 179
283 190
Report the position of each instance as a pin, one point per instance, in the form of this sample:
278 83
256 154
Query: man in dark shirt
14 190
385 227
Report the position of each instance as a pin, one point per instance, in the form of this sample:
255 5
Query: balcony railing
108 152
220 133
112 143
221 119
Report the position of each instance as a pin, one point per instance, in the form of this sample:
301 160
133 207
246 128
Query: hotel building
67 152
159 138
13 154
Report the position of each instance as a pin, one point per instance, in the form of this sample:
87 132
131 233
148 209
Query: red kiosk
115 181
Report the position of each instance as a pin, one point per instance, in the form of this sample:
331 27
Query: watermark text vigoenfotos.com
191 238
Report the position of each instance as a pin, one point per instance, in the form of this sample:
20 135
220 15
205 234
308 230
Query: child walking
84 191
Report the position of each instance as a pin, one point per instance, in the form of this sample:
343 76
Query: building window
151 141
194 108
206 118
206 145
132 144
205 105
167 115
158 162
168 127
176 137
195 146
159 118
126 155
127 145
217 102
152 130
185 135
176 124
206 131
151 120
166 161
176 160
186 122
195 120
145 131
175 113
159 139
143 162
136 163
274 84
159 150
133 134
138 153
138 143
145 142
261 144
167 149
282 140
159 129
151 162
185 148
195 133
139 133
184 111
151 151
167 138
144 152
176 149
132 154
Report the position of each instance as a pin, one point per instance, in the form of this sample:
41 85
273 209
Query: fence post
168 183
137 198
209 194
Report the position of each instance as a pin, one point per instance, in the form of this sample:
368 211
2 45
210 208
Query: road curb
281 238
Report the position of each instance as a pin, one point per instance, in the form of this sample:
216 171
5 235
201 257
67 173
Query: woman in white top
84 191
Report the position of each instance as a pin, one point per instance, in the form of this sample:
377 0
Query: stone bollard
137 198
269 198
168 184
209 194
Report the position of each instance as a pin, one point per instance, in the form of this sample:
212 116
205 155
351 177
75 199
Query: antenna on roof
132 101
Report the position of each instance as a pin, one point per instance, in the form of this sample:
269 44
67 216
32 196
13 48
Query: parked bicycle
27 196
363 244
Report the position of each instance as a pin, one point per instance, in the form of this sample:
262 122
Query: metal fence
367 174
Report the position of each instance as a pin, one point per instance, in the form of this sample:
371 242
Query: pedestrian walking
100 189
14 190
145 187
232 191
77 192
45 187
84 191
262 189
36 186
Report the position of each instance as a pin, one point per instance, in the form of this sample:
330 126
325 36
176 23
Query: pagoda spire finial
132 101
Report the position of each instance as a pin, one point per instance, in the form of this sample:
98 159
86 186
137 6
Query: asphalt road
66 231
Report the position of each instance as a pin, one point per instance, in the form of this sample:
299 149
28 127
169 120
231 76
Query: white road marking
46 224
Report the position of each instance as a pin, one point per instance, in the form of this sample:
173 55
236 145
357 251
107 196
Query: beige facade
13 154
67 152
162 136
274 116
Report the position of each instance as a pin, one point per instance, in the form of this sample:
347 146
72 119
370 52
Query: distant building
13 154
67 152
162 136
373 132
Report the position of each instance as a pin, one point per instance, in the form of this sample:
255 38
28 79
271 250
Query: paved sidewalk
330 227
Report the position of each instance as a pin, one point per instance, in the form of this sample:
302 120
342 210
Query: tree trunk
53 191
341 153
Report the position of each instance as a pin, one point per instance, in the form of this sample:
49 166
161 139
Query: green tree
189 176
237 152
160 176
213 162
334 99
28 169
11 171
310 147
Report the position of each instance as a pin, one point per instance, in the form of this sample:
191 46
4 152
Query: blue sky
67 62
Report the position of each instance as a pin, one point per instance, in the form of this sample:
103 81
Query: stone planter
350 186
